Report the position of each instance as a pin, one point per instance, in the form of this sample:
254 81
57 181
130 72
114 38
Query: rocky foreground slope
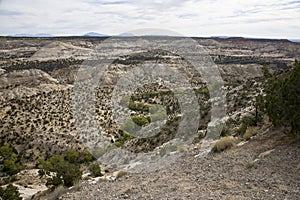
37 118
266 167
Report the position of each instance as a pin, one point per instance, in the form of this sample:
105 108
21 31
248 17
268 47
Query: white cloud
255 18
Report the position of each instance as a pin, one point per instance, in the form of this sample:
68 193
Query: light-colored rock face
25 77
63 50
240 72
30 183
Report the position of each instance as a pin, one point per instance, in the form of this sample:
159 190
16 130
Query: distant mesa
94 34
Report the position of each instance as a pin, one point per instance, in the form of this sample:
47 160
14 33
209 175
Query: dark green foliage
6 150
95 170
140 120
259 109
55 181
283 99
68 172
266 72
225 131
41 172
10 193
123 138
85 157
72 156
138 106
204 92
11 164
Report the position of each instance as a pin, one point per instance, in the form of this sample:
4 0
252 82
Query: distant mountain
222 37
94 34
295 40
32 35
126 35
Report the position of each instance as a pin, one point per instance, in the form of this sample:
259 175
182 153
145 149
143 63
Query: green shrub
10 193
203 91
138 106
72 156
11 165
6 150
55 181
125 101
118 144
70 173
85 156
95 170
225 131
125 136
282 99
141 121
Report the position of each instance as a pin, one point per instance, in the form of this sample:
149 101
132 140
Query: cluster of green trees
282 102
10 193
67 168
9 163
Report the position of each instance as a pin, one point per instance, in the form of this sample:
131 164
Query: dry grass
223 143
120 174
251 131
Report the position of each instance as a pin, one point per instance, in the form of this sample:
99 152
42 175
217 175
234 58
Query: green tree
69 172
95 170
283 99
11 164
6 150
72 156
10 193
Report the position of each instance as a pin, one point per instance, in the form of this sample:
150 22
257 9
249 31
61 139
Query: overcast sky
249 18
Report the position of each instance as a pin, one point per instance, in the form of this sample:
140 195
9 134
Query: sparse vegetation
158 114
37 120
245 123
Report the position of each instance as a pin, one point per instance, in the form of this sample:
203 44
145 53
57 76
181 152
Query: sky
250 18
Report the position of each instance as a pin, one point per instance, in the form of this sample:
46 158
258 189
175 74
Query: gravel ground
266 167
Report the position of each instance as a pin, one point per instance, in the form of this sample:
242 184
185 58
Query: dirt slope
266 167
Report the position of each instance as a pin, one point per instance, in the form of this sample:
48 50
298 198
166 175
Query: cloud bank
253 18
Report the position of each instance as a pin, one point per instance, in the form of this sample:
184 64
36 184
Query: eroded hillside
37 85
